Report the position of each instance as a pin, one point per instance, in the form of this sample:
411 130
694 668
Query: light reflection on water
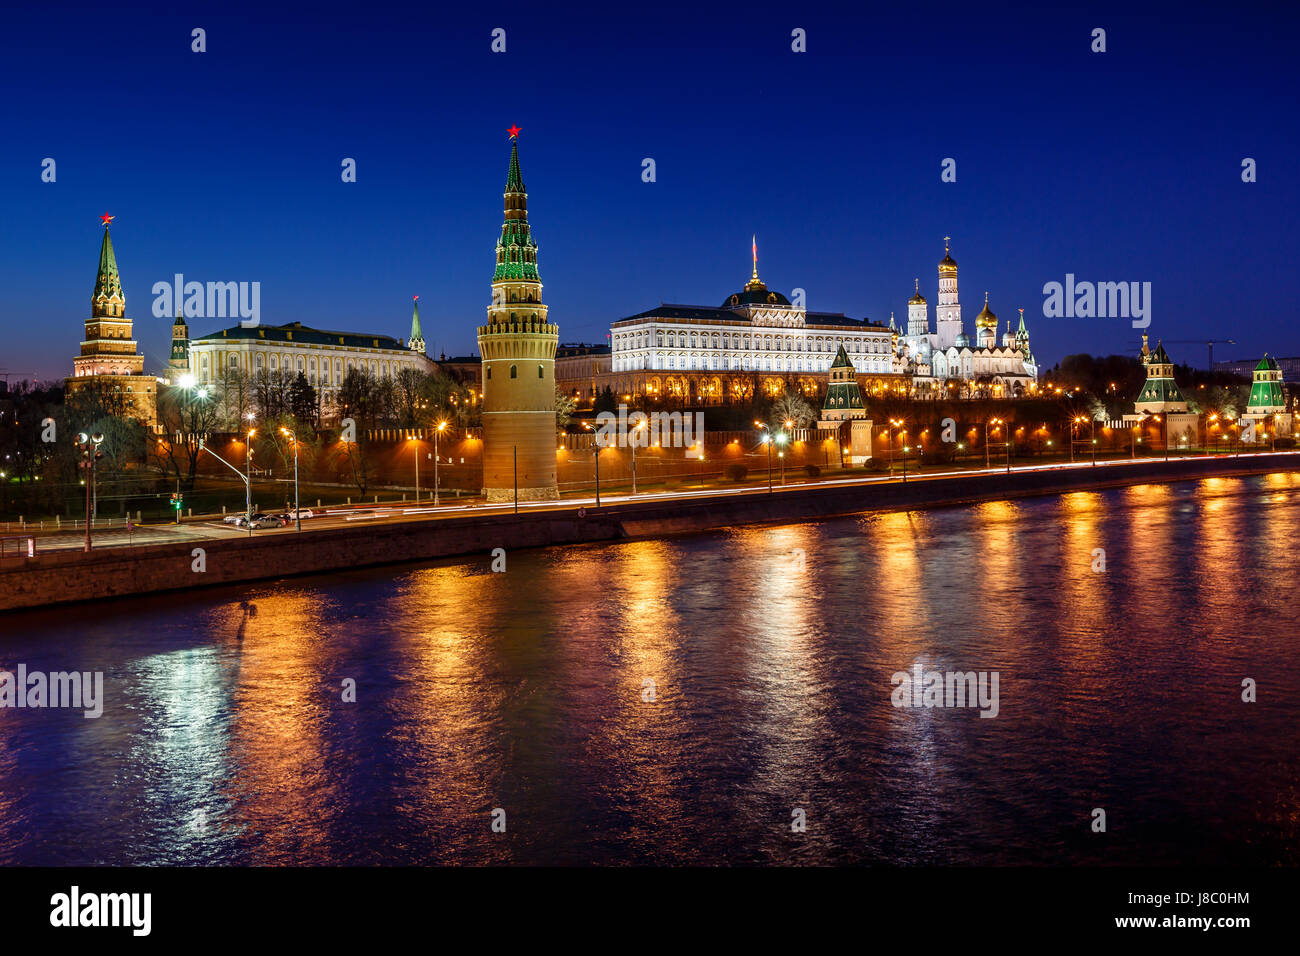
225 738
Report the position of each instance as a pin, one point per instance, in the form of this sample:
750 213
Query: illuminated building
109 360
518 349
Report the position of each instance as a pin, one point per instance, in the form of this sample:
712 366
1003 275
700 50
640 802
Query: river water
690 700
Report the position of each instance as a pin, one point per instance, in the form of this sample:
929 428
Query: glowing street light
436 454
297 510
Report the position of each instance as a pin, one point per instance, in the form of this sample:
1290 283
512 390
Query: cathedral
999 369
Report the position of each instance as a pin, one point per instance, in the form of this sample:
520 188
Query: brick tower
518 349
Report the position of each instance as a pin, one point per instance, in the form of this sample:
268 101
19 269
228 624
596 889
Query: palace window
540 373
514 372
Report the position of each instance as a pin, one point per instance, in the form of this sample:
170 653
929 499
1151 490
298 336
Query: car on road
268 521
232 519
241 520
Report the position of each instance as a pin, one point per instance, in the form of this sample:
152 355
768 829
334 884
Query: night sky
225 165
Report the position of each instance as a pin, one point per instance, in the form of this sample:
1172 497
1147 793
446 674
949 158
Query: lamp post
640 427
243 475
595 443
90 454
893 423
436 453
987 461
415 439
248 477
297 509
781 440
767 440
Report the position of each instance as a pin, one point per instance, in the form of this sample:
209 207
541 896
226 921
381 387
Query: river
715 698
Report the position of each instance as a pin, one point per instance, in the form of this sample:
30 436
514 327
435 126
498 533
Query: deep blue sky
225 165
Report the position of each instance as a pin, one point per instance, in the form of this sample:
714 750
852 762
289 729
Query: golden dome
917 299
986 319
947 263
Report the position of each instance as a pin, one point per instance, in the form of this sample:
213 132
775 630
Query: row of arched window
726 340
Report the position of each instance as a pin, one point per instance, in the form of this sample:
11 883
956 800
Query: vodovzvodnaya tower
518 349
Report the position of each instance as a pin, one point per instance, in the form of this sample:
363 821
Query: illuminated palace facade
759 341
756 340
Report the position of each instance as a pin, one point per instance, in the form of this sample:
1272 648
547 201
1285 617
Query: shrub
736 472
812 471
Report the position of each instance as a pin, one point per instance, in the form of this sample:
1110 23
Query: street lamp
595 443
297 510
893 423
767 440
781 440
416 440
436 453
90 454
248 478
987 462
640 427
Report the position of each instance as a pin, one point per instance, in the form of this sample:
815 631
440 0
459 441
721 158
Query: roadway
353 516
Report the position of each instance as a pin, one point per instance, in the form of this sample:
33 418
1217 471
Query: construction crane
1209 346
1208 343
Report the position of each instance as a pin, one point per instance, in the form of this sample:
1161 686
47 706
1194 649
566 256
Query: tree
564 406
235 393
186 416
792 407
606 402
302 402
362 401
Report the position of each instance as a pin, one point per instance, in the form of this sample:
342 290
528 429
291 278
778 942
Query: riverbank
69 577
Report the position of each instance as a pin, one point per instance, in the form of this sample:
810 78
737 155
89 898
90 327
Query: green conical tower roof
515 180
108 284
1266 396
1160 356
516 251
842 393
416 334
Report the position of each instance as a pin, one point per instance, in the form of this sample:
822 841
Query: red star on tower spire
107 218
513 131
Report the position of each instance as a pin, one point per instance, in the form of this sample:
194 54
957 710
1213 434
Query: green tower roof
841 359
416 334
515 180
107 282
1267 364
1160 355
516 251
